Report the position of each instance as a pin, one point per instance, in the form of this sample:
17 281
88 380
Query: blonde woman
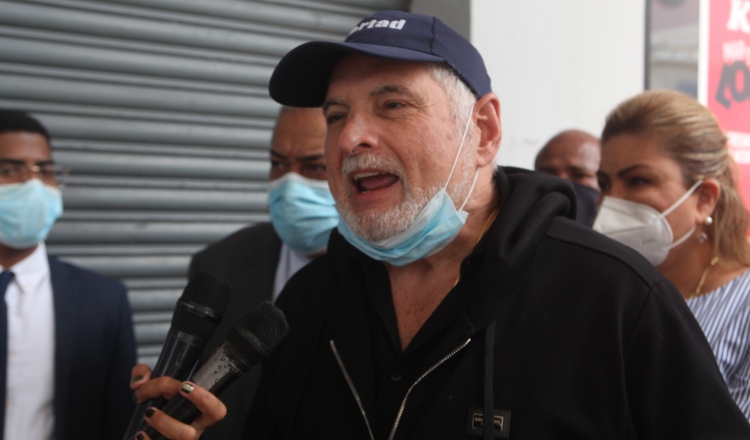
669 191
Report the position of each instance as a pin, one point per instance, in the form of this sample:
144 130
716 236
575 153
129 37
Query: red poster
725 76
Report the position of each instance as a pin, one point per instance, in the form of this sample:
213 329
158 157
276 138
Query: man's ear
708 196
489 130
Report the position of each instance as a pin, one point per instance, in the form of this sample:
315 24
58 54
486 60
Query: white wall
555 64
454 13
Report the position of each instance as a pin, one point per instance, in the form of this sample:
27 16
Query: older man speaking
457 300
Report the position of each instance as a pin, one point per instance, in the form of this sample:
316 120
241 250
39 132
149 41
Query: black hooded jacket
559 331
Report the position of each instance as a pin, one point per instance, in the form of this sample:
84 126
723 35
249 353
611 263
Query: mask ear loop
455 161
684 197
470 190
683 238
675 206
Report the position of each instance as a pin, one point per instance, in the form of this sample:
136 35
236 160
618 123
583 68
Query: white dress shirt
29 405
289 263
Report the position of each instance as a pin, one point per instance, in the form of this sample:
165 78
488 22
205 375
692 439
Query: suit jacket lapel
65 295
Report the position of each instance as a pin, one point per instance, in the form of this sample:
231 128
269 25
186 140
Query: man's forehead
300 134
24 146
377 75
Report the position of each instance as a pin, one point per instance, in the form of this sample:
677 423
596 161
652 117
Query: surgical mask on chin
640 226
436 225
27 212
302 212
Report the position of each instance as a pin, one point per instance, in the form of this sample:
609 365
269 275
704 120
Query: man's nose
295 167
356 134
30 172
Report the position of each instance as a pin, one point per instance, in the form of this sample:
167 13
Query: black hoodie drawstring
488 414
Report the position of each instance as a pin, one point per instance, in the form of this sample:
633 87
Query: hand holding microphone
212 409
197 315
250 341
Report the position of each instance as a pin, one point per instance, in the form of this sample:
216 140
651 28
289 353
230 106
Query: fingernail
187 388
137 378
140 436
149 412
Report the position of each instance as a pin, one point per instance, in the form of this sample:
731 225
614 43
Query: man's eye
316 167
393 104
332 118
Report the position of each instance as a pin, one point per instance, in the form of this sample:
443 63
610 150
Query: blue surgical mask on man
302 212
27 212
436 225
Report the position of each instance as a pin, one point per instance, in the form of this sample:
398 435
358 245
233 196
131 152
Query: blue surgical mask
436 225
302 212
27 212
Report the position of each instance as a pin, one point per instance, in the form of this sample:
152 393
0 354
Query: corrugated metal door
161 109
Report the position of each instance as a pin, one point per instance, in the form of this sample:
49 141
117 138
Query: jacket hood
529 202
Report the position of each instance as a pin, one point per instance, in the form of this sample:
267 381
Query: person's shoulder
594 246
742 283
733 296
258 233
87 277
608 276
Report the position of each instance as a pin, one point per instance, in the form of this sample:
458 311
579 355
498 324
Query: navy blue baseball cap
301 77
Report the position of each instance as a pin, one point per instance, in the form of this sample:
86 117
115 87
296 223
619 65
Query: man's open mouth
368 181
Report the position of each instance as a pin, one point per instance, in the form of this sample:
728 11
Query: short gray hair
462 98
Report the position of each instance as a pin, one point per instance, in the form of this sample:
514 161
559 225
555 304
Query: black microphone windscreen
259 332
206 295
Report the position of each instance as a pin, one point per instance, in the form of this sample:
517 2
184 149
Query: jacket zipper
403 403
430 370
351 387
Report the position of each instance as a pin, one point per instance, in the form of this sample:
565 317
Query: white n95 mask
640 226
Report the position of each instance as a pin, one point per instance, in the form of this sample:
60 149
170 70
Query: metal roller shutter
161 109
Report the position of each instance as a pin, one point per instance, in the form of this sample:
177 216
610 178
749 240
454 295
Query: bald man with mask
572 155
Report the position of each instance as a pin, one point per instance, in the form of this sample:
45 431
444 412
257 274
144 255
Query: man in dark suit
258 260
67 331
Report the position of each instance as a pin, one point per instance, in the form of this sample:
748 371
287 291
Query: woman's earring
702 237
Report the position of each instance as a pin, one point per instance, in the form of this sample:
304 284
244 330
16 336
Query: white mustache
362 161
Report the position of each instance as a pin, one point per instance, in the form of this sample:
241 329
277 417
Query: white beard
375 225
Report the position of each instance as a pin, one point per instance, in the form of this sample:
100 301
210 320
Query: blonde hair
690 135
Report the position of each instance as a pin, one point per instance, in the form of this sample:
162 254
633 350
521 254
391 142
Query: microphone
248 343
197 315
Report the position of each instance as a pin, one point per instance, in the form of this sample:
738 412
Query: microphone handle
221 369
177 360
